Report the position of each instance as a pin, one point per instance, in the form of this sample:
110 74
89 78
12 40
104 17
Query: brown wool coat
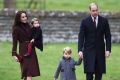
29 65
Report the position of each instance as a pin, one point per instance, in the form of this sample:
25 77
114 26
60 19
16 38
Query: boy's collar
66 58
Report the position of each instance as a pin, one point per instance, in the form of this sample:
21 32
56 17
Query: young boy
67 66
36 37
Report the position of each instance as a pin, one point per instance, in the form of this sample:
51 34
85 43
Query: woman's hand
15 58
32 40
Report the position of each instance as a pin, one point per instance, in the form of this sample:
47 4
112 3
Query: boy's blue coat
66 68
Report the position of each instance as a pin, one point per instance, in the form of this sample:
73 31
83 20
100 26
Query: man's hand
107 53
80 54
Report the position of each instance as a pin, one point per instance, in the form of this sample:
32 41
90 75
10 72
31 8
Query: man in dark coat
94 43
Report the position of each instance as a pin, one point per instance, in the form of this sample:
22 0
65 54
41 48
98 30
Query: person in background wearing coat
66 66
21 34
94 43
36 36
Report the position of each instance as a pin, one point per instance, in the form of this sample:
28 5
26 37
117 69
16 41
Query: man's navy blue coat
94 41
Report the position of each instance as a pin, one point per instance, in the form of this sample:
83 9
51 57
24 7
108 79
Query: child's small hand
32 40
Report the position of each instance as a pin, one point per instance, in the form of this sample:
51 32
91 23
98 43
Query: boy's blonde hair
34 19
67 50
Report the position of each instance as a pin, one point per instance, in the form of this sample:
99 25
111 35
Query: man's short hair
91 4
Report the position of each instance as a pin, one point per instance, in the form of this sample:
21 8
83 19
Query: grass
70 5
82 5
48 61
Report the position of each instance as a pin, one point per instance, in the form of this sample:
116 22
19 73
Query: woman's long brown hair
17 19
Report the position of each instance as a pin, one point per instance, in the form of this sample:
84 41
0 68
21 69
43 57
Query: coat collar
66 58
91 21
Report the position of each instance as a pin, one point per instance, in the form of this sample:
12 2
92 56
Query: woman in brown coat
21 34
